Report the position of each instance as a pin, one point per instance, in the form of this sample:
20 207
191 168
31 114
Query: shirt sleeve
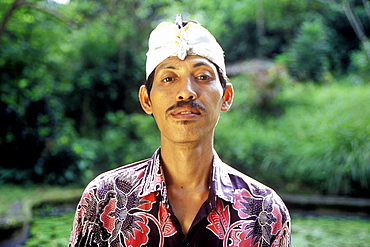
84 220
283 236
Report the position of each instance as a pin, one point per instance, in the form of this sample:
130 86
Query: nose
186 90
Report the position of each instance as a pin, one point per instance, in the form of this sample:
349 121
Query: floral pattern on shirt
113 214
256 226
129 207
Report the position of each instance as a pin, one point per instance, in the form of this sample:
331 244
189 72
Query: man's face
186 99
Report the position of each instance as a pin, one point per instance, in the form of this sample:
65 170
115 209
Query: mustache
191 104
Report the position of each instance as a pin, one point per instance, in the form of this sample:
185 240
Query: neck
187 166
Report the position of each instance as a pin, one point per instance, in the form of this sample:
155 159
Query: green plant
360 63
307 56
263 82
319 145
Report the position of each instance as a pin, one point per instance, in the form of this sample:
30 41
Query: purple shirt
128 206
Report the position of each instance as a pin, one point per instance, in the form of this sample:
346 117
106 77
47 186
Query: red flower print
219 219
108 220
146 202
166 223
139 235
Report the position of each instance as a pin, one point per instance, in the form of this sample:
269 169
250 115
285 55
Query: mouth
185 114
186 110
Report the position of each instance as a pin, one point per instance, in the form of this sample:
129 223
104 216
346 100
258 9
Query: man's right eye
168 79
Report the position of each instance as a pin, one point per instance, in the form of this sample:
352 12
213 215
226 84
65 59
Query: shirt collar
153 179
221 184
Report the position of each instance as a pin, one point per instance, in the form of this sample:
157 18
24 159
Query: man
184 195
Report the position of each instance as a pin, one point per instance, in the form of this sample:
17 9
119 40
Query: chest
185 206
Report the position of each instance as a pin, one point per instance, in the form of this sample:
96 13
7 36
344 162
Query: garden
300 120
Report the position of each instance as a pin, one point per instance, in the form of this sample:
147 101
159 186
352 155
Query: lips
185 113
185 110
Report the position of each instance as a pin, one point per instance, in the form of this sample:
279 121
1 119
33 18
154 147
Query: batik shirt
128 206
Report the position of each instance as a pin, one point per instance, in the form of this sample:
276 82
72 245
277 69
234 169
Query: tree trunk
260 26
16 4
357 26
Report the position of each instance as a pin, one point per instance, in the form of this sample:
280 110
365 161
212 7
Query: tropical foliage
70 73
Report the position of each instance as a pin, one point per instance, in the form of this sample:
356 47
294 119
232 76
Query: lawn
321 231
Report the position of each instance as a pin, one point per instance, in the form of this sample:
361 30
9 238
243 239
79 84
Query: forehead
190 62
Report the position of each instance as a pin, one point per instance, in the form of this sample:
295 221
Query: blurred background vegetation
300 122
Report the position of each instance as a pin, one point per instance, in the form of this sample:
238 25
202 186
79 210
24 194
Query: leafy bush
360 64
59 77
307 56
125 139
320 144
266 81
128 138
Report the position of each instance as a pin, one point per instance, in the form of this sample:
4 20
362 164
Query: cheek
216 97
216 89
160 93
159 104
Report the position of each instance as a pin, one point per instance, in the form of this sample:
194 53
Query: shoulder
252 205
243 181
125 177
244 187
105 198
253 199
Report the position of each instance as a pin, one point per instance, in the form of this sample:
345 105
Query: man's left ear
228 97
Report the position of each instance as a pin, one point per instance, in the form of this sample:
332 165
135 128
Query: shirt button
186 243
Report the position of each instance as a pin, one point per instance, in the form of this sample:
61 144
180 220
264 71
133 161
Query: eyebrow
200 64
166 66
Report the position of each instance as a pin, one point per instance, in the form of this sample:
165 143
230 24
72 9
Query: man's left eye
203 77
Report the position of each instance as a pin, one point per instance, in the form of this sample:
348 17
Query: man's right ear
145 102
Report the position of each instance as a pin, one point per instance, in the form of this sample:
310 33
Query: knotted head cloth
182 39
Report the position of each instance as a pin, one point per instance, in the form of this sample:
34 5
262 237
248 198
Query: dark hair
223 80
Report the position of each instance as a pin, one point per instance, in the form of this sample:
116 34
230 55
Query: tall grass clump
320 144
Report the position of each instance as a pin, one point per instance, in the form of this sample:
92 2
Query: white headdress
182 39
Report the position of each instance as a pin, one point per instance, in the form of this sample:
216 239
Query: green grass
35 195
17 202
50 231
330 231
